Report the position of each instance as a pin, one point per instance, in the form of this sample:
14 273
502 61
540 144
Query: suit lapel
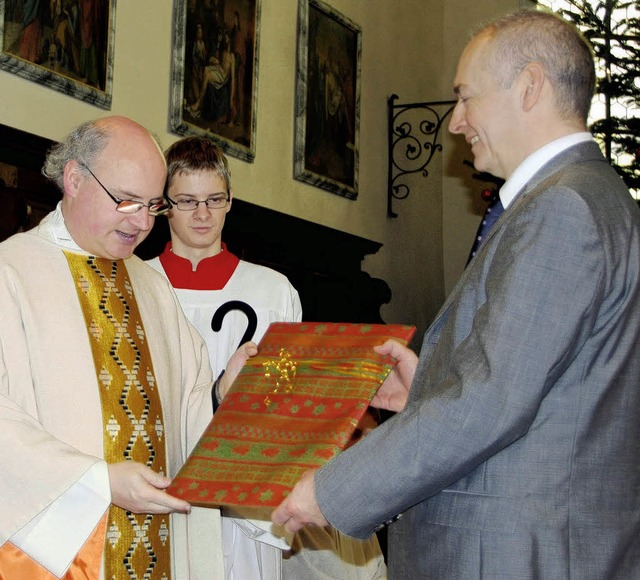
581 152
585 151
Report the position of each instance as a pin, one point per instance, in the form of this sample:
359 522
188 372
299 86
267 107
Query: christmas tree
613 29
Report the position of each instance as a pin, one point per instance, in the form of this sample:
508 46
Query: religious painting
327 110
66 45
215 72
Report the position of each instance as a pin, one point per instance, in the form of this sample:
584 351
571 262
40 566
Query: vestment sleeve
294 307
54 546
38 470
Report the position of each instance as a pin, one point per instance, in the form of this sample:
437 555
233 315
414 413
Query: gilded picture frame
214 78
327 99
66 45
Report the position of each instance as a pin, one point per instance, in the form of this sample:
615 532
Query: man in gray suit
515 451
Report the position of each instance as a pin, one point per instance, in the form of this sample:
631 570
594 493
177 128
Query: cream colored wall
141 80
411 258
409 47
427 245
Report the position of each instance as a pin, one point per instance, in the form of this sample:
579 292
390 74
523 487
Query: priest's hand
300 507
394 391
235 364
141 490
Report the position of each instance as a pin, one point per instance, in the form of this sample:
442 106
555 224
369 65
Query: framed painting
215 72
66 45
327 102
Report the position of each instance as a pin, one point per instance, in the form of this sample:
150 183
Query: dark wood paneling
323 264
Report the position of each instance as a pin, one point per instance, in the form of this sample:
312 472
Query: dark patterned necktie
491 215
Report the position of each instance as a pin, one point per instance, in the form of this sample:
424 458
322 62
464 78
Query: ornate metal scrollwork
413 140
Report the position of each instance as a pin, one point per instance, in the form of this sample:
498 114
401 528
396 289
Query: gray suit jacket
518 453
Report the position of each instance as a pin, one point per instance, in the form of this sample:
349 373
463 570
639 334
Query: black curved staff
250 313
216 325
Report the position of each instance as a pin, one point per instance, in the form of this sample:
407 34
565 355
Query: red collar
211 274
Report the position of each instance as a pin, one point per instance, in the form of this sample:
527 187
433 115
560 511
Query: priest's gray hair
84 144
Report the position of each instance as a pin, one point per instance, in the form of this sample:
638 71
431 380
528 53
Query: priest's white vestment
51 425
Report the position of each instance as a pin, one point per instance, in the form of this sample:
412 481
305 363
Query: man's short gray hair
527 36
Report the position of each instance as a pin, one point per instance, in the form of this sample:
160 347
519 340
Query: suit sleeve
511 329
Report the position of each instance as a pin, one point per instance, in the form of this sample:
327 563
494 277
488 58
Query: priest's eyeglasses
159 206
216 201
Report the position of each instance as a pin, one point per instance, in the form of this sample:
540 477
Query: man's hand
140 490
235 364
300 507
393 393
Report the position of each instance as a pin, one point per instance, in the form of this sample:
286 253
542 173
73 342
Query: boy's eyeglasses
190 204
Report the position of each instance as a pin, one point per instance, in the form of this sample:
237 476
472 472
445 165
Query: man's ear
230 200
533 79
72 176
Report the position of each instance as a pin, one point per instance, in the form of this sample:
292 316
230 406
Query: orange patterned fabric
16 565
292 407
138 545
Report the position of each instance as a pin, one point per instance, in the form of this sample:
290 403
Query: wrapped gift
291 408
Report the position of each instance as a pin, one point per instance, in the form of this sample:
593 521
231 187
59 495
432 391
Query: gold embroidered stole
137 545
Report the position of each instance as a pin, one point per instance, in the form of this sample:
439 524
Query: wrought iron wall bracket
413 130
